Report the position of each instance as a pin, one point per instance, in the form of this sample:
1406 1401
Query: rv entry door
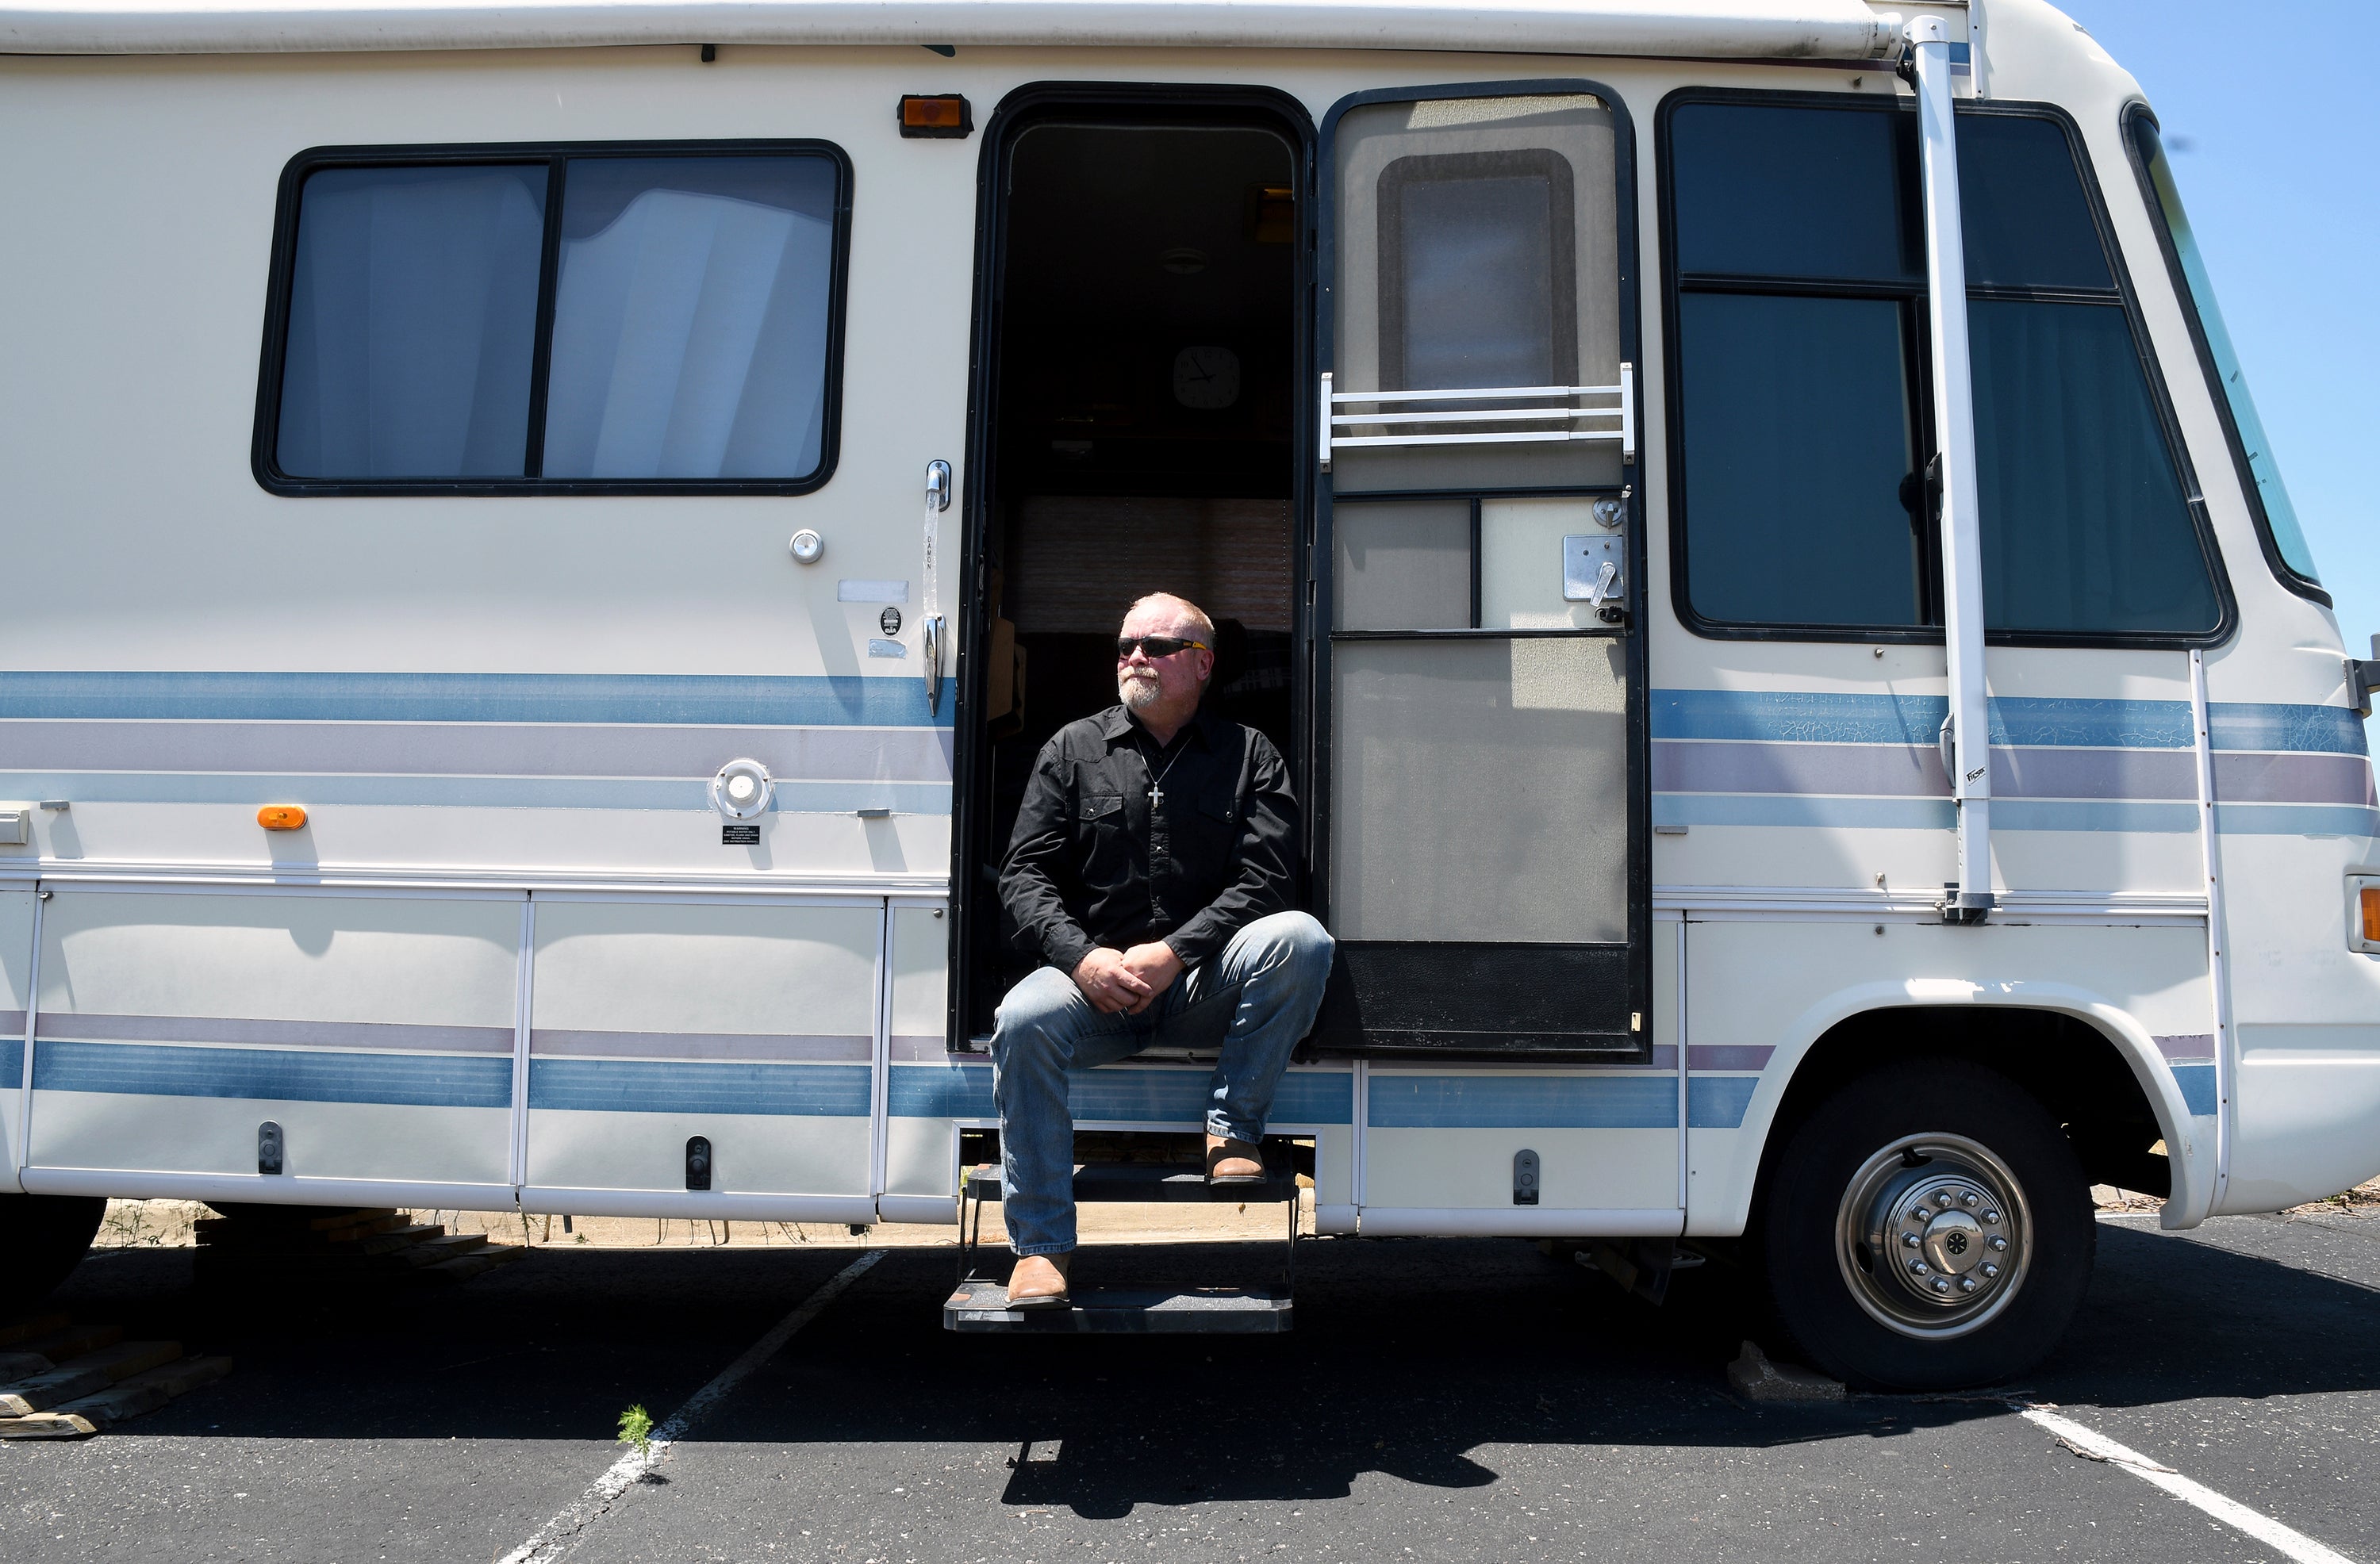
1481 816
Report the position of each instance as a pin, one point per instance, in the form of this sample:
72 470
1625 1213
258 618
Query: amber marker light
941 115
281 816
2369 900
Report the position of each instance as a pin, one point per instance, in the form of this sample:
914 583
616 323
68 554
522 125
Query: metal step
1156 1183
981 1305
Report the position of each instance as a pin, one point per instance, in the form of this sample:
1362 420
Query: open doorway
1137 433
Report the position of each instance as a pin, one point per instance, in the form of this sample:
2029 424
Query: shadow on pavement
1417 1358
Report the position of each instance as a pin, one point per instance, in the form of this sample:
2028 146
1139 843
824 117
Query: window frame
264 456
2210 374
2124 294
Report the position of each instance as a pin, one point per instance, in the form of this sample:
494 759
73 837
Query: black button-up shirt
1100 858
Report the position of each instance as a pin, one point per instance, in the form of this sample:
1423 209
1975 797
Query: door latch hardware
1524 1177
697 1163
268 1147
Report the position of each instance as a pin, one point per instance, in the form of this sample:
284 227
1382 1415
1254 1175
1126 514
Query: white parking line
557 1537
2264 1528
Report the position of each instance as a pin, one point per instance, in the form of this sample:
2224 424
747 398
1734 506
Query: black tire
44 1237
1874 1314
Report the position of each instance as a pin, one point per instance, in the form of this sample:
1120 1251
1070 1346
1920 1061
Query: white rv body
508 960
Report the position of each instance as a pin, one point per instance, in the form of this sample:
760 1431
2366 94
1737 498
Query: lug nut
1990 1270
1919 1268
1971 1200
1910 1241
1941 1284
1966 1284
1995 1242
1944 1200
1991 1216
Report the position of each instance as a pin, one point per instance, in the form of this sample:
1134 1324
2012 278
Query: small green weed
636 1429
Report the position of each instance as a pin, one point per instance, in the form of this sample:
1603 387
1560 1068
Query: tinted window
1800 407
2084 523
1776 191
1796 440
691 302
2255 450
2027 222
412 319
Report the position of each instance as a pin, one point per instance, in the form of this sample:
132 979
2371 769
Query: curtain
412 311
689 333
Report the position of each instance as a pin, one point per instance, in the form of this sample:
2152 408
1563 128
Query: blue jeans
1256 1000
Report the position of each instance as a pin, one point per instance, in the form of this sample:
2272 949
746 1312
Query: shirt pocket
1103 810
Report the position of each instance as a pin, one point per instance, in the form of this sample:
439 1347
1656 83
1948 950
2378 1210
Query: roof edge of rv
1827 29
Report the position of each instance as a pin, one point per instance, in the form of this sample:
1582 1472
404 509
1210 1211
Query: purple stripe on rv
1915 771
2193 1048
554 1042
377 1036
1728 1056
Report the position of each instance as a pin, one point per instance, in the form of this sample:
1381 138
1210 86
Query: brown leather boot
1039 1282
1233 1161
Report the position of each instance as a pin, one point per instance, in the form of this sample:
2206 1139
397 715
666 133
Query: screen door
1482 851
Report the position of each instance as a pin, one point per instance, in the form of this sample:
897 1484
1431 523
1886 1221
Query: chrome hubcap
1933 1236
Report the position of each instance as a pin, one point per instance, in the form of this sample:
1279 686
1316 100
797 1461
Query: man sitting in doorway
1151 870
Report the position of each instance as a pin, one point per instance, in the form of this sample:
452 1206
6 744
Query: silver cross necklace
1155 793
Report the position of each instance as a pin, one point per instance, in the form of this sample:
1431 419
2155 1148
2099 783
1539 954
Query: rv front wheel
1928 1227
43 1237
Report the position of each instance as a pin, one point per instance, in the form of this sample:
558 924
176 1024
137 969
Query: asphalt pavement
1438 1401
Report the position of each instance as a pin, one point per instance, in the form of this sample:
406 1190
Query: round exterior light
807 547
742 790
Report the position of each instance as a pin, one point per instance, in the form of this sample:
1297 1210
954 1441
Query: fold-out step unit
980 1303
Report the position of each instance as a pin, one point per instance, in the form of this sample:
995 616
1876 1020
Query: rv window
1797 434
691 298
2252 452
1801 418
1479 284
1765 192
690 318
412 318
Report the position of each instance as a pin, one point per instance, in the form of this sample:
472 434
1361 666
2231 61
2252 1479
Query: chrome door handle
933 650
938 485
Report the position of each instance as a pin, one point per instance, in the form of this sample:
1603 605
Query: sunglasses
1156 646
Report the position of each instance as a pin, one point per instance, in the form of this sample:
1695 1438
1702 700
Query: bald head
1163 691
1181 609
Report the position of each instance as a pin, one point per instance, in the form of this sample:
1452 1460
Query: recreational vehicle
542 540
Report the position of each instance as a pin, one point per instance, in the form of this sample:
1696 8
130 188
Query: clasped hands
1127 981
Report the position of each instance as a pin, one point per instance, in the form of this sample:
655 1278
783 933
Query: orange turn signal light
281 816
2370 900
943 115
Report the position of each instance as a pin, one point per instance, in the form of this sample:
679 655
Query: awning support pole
1954 439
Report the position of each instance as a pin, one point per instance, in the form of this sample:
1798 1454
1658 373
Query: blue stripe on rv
1574 1102
275 1075
704 699
605 1086
2197 1083
1805 717
12 1063
963 1091
1718 1102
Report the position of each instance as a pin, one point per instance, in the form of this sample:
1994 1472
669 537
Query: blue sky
2260 103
